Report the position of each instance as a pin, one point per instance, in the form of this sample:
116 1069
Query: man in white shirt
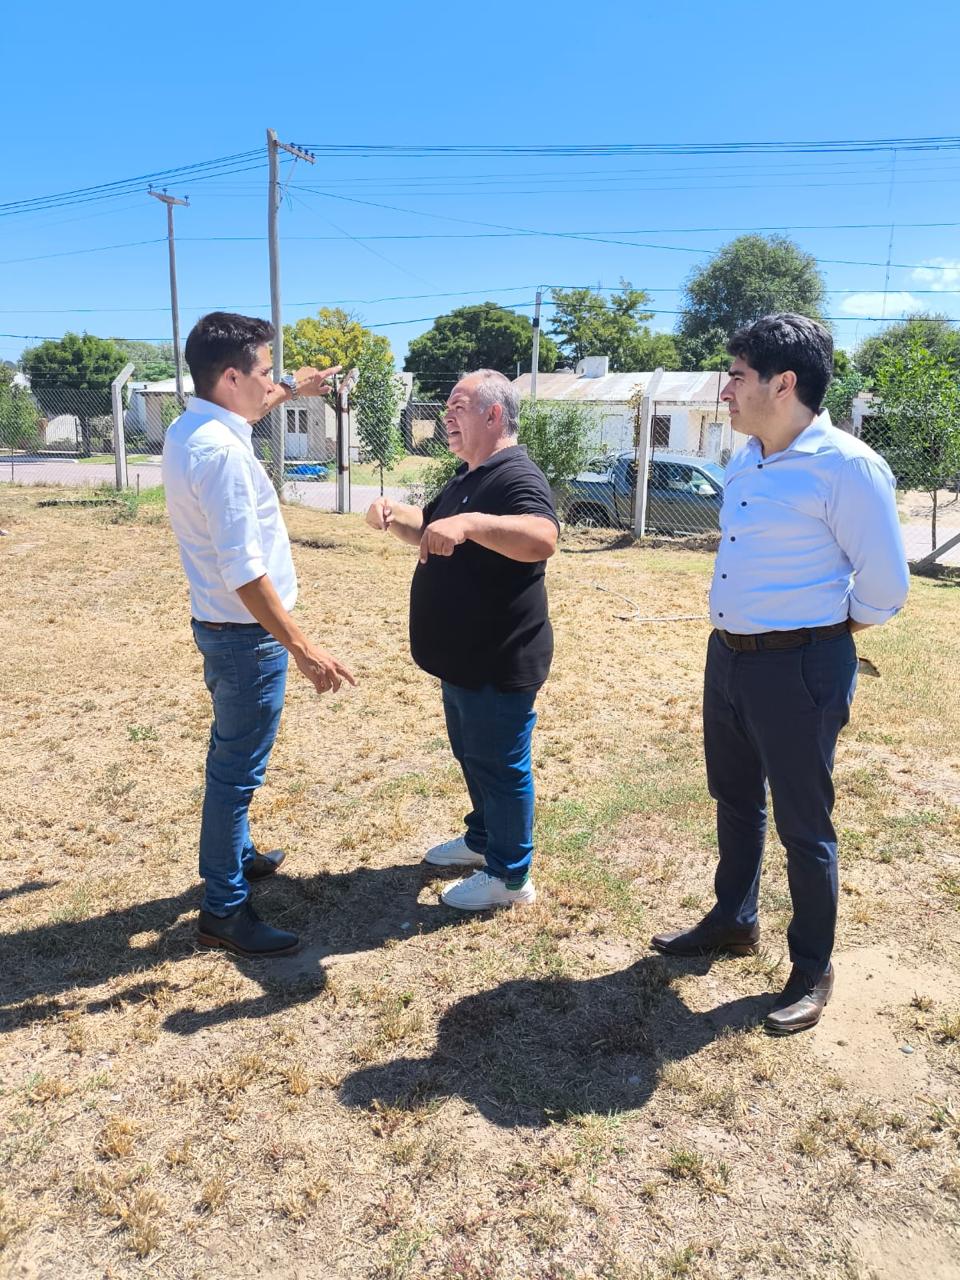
810 552
234 548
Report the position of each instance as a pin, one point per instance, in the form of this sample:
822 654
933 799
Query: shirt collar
207 409
495 459
810 440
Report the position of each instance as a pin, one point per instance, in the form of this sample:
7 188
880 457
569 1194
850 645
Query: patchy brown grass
417 1094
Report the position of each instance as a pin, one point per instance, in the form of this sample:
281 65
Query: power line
201 171
822 147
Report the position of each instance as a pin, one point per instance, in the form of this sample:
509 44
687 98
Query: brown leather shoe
263 865
707 938
800 1004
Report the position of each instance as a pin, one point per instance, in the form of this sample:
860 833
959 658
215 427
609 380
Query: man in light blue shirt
236 554
810 551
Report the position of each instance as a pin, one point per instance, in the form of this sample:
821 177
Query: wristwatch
289 381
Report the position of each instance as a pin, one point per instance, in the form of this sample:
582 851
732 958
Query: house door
296 442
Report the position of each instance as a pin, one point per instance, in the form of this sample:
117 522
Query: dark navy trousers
772 717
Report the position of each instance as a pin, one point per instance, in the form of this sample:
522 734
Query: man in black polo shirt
478 620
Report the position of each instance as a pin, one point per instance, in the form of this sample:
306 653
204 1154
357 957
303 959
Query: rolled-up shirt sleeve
862 514
226 492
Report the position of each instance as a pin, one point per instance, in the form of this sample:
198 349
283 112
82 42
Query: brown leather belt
781 639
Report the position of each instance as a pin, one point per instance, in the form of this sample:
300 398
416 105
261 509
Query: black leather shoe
708 938
245 933
800 1004
263 865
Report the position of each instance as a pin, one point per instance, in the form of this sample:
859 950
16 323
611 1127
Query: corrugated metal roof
694 387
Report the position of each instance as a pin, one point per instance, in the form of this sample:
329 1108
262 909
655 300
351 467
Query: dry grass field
417 1094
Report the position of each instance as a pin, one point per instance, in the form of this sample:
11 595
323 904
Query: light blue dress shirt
809 536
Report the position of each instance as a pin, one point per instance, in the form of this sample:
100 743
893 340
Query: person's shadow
532 1051
43 969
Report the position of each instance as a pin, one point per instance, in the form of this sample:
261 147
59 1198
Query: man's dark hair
787 341
224 340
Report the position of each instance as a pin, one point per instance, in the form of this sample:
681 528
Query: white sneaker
482 890
453 853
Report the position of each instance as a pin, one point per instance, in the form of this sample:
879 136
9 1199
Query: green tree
932 330
750 277
841 393
334 336
72 376
152 361
557 435
587 324
482 336
918 394
19 419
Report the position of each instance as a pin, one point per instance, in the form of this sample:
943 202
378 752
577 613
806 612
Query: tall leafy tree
481 336
750 277
932 330
918 424
587 324
72 376
335 336
75 360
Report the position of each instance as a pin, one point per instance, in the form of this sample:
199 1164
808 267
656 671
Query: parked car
684 494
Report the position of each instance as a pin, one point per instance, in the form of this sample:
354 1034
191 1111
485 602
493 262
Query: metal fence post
643 454
341 393
119 439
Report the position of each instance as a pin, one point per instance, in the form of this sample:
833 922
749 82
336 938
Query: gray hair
490 388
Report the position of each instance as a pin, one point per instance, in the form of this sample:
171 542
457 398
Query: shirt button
733 537
723 575
759 466
743 504
719 615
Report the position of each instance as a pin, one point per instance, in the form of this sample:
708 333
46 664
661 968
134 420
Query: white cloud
891 305
940 274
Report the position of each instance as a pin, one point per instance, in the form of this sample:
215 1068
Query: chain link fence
64 435
684 493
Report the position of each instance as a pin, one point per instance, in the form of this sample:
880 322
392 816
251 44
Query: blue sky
105 92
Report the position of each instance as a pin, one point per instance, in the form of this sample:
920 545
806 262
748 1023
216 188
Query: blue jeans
775 716
490 736
245 670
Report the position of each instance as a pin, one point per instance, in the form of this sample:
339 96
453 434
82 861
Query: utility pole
274 147
170 201
535 354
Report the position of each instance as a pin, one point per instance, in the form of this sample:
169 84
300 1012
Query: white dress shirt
809 536
224 512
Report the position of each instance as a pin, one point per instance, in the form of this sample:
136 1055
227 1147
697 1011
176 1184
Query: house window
297 421
660 431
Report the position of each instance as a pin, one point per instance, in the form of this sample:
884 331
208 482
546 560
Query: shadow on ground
44 969
531 1052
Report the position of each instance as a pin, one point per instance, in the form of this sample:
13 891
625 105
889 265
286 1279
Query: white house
311 423
687 415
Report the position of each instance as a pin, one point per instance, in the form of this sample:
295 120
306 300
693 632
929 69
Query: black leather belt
781 639
228 626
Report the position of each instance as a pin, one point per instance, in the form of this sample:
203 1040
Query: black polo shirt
477 617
